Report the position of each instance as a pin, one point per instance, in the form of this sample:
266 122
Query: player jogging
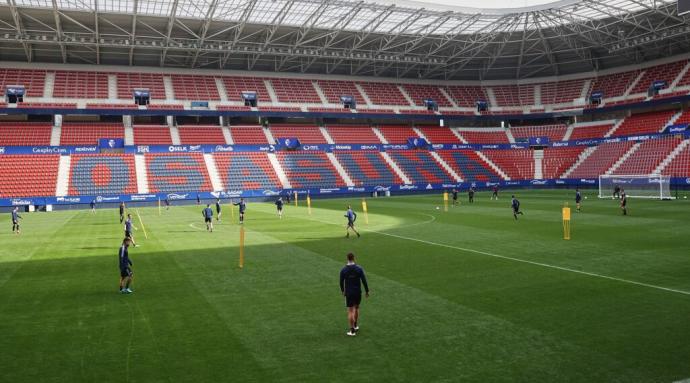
279 206
167 204
495 192
351 218
624 202
198 200
208 217
242 208
122 211
15 220
455 197
616 192
351 280
578 198
93 206
516 206
470 194
129 226
218 207
126 273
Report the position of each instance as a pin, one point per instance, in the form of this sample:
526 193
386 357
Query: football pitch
467 295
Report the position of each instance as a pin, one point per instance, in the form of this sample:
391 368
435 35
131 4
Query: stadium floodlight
636 186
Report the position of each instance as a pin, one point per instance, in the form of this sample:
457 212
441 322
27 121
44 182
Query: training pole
241 247
142 224
308 204
566 222
295 199
364 209
159 207
445 201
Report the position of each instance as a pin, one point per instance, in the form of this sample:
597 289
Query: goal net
637 186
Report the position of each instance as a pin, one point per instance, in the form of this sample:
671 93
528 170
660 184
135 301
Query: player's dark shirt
218 207
471 192
128 225
495 189
516 204
351 280
15 216
125 262
578 197
455 195
351 216
122 209
208 213
279 204
624 199
93 204
242 205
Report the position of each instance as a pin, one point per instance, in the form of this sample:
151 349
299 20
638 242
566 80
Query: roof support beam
204 30
58 28
171 23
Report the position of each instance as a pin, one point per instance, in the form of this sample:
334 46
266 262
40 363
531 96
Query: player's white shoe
351 333
356 327
128 291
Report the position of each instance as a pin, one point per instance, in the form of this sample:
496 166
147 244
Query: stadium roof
443 39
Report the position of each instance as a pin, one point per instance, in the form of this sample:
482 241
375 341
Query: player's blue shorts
352 300
126 272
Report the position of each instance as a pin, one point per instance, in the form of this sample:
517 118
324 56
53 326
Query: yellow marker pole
308 204
241 247
445 201
364 209
142 224
566 222
159 207
295 199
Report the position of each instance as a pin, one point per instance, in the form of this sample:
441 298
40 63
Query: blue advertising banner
538 141
111 143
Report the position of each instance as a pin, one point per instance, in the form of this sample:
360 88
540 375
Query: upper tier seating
467 96
561 92
420 167
78 84
652 122
295 90
384 93
201 134
614 85
367 168
397 134
680 166
127 82
439 135
32 80
234 86
307 134
246 171
603 157
586 132
558 160
554 132
514 95
648 156
248 135
88 133
177 173
421 92
102 174
518 164
665 72
197 88
309 170
483 137
28 175
468 165
152 134
25 133
353 134
334 89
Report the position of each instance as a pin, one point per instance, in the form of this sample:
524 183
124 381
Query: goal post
636 186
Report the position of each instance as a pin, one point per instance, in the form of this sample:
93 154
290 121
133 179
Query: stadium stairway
568 132
62 184
326 135
511 138
278 169
169 89
112 87
671 156
447 167
341 170
213 174
406 95
444 92
364 94
48 85
633 84
129 132
378 134
581 158
614 127
271 92
142 174
406 180
222 92
55 135
319 92
538 164
175 135
680 76
227 135
269 136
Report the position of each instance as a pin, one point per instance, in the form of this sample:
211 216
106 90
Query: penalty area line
534 263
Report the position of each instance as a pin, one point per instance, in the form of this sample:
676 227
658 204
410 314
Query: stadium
518 173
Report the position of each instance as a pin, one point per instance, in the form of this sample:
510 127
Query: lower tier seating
152 135
201 135
177 173
28 175
367 168
558 160
309 170
420 167
469 166
518 164
246 171
102 174
601 160
648 156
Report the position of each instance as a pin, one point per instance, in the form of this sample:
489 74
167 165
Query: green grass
452 296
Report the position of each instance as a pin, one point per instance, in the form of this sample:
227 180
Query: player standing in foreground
122 211
624 202
351 218
351 280
495 193
242 208
516 206
208 218
15 220
279 206
455 197
218 209
578 199
129 226
126 273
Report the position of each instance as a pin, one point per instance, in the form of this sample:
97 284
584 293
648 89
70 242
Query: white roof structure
442 39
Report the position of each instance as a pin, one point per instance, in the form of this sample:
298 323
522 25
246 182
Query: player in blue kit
93 206
218 209
516 206
129 226
208 217
624 202
279 206
126 273
242 208
15 220
351 280
351 218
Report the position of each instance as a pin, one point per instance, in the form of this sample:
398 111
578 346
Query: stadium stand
234 86
484 137
307 134
652 122
514 95
102 174
397 134
421 92
201 134
334 89
469 166
381 93
420 167
80 84
516 163
127 82
587 132
561 92
198 88
246 171
554 132
648 156
177 173
558 160
32 80
438 135
295 90
309 170
614 85
152 134
665 72
367 168
352 134
467 96
680 166
248 135
28 175
24 133
601 160
88 133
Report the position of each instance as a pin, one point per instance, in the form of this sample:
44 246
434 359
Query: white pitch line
521 260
